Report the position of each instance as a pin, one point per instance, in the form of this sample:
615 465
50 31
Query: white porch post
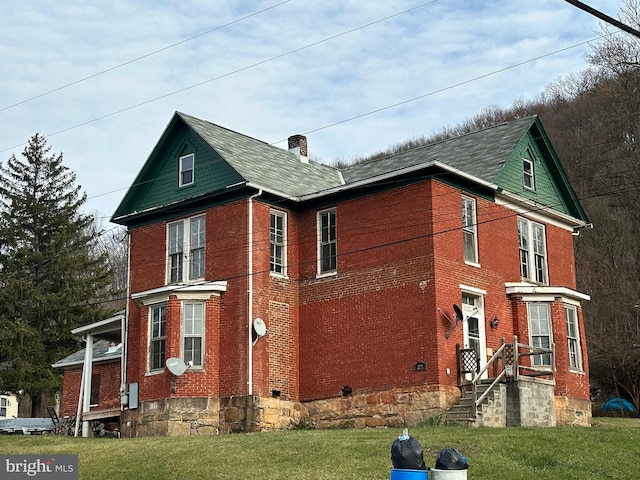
86 370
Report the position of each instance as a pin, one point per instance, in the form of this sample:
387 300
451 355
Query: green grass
608 450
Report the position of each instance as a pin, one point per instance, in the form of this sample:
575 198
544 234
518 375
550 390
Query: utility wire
242 69
605 17
146 55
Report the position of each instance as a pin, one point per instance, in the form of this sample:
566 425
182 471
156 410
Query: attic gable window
527 171
186 170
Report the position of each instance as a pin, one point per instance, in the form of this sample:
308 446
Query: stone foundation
210 416
573 411
391 408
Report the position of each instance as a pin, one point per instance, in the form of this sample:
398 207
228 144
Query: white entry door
473 327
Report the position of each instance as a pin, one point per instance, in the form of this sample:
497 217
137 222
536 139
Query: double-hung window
469 230
278 238
186 170
186 249
540 332
4 403
193 332
533 251
157 332
527 174
573 337
327 242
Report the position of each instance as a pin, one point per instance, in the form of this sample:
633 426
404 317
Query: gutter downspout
124 329
250 296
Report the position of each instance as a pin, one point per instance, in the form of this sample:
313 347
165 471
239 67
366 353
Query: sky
101 80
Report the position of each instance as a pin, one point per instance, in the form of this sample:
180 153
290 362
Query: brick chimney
298 145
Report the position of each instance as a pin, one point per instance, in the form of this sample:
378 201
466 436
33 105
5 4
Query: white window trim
284 245
202 335
328 273
181 170
149 337
531 264
472 229
186 251
531 175
580 366
550 323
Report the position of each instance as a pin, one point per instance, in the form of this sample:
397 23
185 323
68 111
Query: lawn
608 450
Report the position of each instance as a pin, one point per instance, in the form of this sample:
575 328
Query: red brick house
291 291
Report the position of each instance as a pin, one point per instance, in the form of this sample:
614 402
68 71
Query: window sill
282 276
153 372
327 274
472 264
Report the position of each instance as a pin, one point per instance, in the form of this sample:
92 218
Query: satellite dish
176 366
259 327
459 315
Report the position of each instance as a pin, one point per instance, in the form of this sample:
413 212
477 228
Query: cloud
293 68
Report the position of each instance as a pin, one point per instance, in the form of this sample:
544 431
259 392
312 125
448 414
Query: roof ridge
457 137
183 115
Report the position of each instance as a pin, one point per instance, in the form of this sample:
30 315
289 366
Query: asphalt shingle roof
262 164
100 353
480 154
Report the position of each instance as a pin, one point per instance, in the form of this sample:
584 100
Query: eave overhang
184 291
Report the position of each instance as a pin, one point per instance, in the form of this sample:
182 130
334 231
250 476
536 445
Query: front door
473 327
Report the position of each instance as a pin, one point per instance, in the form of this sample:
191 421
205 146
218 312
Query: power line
146 55
233 72
605 17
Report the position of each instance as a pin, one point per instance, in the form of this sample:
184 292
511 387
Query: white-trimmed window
157 332
573 337
540 331
186 249
4 403
469 229
278 239
327 242
533 251
193 332
186 170
527 174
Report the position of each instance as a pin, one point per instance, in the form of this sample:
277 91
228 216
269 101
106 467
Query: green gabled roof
224 158
492 156
264 165
480 154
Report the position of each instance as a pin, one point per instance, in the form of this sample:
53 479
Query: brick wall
109 387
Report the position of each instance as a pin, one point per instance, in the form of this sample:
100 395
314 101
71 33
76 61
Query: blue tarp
618 404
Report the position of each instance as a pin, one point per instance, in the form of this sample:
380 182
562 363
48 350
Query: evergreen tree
50 279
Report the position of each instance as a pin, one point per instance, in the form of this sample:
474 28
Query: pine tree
51 279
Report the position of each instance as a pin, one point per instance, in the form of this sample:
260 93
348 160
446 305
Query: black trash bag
407 453
451 459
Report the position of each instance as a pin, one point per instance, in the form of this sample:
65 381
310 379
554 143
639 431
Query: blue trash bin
406 474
